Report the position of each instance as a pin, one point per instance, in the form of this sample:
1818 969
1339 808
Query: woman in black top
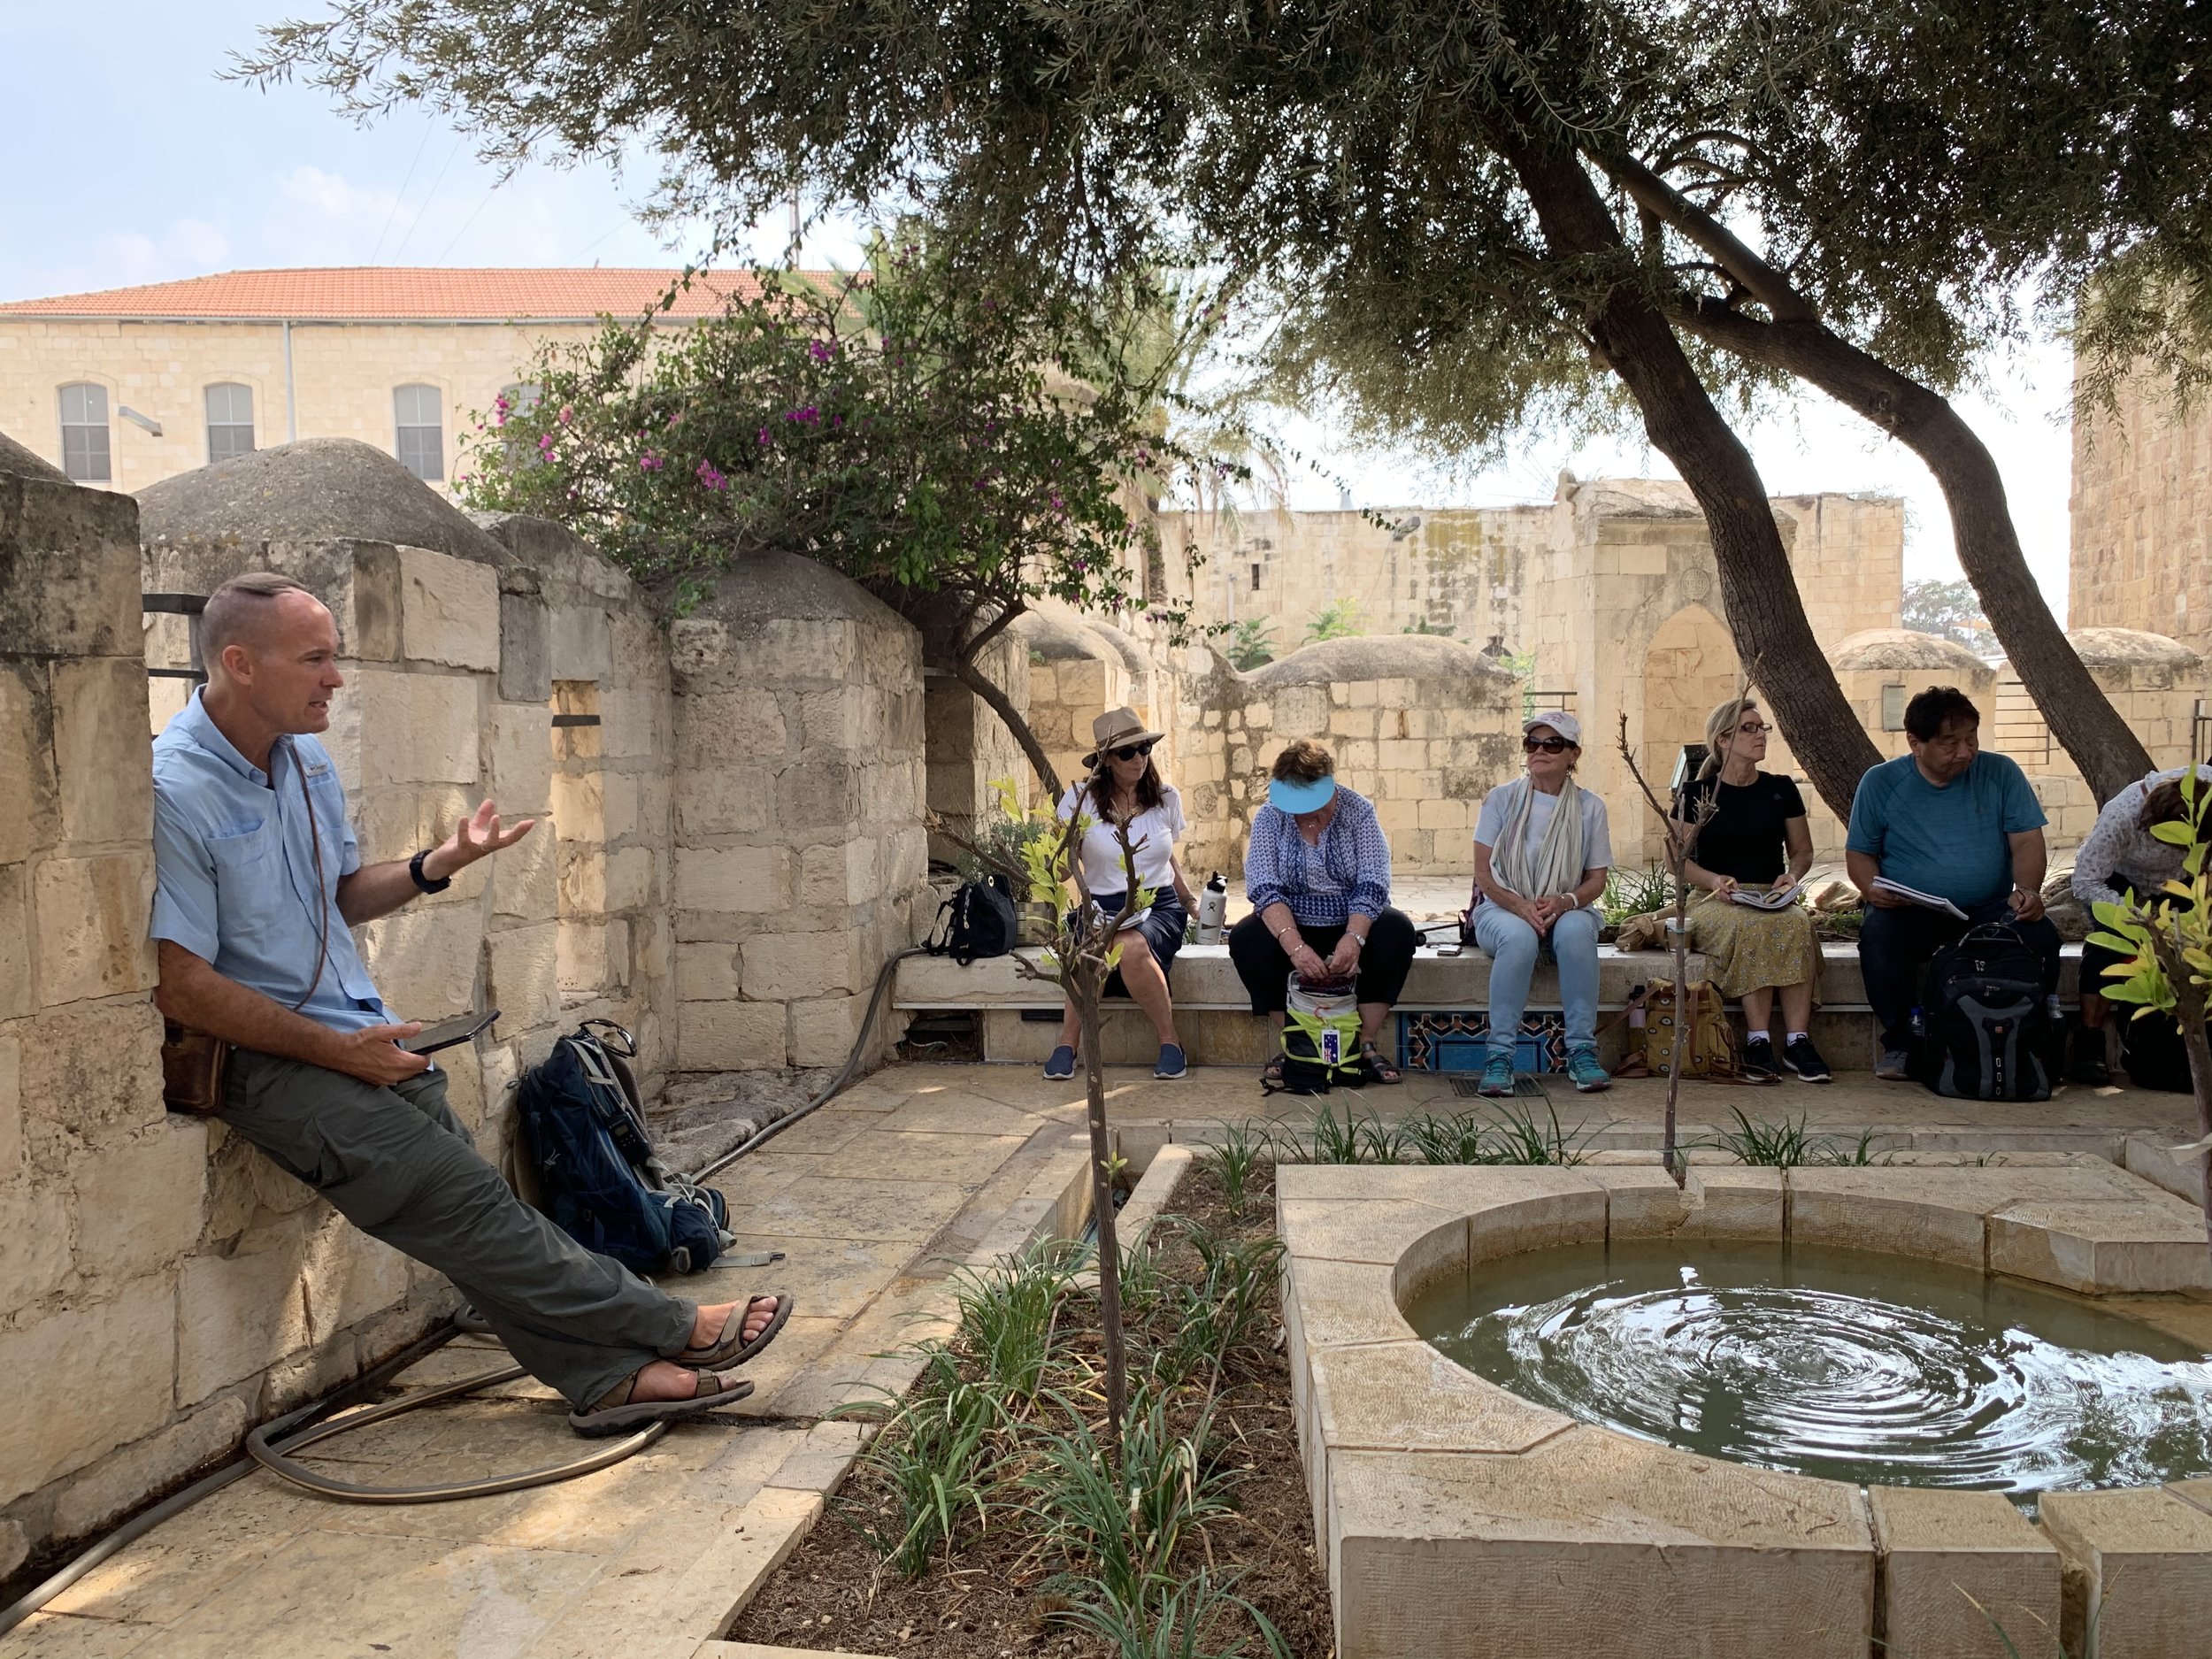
1747 834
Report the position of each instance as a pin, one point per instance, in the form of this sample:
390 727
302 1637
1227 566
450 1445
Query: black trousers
1264 965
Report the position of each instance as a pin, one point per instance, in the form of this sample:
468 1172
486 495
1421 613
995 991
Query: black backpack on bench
976 922
1986 1028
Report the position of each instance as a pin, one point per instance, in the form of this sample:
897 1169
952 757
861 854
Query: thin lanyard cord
322 899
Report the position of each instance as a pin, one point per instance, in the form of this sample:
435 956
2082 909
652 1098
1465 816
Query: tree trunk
2087 726
1758 591
975 680
1116 1355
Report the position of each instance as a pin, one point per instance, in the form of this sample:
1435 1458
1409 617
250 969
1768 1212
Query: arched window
84 432
229 420
521 397
419 427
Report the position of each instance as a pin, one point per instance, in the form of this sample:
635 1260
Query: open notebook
1779 898
1914 895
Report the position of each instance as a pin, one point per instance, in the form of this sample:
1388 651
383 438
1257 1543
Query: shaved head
243 611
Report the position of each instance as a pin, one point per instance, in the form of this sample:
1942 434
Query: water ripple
1837 1364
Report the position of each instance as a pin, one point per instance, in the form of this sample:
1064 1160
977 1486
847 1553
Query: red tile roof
430 293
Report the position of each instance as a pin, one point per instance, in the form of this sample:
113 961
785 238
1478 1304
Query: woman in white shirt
1125 788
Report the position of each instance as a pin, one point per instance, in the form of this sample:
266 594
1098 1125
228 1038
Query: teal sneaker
1587 1073
1497 1076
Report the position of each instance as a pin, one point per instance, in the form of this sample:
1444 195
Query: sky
156 168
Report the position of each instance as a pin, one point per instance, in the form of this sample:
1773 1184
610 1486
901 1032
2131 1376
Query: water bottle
1213 909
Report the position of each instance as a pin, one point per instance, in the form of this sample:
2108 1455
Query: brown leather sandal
615 1413
734 1346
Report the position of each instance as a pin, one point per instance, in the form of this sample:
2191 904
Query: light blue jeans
1513 947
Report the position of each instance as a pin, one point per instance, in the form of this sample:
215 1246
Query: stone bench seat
1204 978
1214 1016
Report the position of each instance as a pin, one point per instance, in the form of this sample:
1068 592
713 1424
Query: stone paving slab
914 1174
1949 1555
650 1559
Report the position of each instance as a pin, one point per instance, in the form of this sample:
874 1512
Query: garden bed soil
991 1599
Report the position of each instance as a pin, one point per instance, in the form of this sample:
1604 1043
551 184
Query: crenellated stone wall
751 786
800 862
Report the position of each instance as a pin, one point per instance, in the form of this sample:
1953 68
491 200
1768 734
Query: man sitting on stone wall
1951 822
258 876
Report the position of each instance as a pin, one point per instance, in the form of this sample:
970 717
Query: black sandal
615 1413
1271 1074
1378 1070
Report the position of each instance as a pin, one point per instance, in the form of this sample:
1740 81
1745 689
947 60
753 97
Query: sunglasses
1549 745
1132 751
1754 728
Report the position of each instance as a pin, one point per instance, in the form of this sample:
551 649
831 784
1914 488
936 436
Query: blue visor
1286 796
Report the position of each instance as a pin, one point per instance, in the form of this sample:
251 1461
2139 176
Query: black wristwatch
414 869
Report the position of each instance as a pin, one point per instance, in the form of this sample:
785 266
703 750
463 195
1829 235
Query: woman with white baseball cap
1542 847
1316 870
1125 788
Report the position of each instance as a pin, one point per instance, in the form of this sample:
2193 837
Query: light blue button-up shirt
235 867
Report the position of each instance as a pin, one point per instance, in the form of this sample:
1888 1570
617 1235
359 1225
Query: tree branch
1762 282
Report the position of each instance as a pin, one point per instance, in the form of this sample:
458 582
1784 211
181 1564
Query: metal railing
188 606
2018 728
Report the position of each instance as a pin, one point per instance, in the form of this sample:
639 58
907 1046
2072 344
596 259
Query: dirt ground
991 1599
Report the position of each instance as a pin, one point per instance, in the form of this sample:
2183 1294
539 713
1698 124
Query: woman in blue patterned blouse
1316 870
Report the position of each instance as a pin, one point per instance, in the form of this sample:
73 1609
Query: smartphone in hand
447 1034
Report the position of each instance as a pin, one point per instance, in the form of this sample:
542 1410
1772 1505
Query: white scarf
1557 866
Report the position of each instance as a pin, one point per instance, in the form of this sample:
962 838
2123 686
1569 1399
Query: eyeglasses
1132 751
1754 728
1549 745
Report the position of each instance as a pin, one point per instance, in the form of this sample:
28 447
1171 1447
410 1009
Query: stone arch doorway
1690 667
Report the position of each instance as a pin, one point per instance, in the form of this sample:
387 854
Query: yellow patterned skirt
1748 949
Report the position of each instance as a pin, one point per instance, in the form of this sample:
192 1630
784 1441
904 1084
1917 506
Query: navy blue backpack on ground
596 1174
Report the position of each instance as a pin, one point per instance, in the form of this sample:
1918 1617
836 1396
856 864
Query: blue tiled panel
1461 1042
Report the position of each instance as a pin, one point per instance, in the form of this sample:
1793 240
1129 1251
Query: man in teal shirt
1953 822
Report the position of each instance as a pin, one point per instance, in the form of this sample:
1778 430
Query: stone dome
787 585
319 489
1061 636
1382 657
14 459
1894 648
2129 647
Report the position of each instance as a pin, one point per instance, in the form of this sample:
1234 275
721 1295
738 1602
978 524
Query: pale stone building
126 387
2142 517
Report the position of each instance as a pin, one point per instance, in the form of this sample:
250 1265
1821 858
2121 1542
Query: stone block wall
177 1286
1425 727
801 865
2142 516
970 749
103 1199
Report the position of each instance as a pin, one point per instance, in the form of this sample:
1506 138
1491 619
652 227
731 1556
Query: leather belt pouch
193 1065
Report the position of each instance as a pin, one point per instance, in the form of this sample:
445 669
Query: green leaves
914 426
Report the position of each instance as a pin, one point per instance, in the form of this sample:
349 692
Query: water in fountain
1842 1363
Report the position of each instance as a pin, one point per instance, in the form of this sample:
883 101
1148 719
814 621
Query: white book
1914 895
1777 898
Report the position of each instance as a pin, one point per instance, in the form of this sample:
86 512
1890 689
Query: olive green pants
397 1163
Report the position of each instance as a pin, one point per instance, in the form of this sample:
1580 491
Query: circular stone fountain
1806 1449
1848 1364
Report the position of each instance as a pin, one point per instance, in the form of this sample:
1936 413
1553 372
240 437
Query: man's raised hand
479 835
